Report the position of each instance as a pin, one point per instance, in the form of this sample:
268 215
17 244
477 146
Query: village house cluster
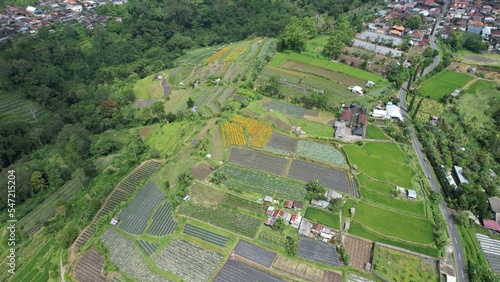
17 20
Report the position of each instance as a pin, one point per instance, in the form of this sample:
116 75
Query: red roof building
316 228
362 119
346 116
491 224
278 213
288 204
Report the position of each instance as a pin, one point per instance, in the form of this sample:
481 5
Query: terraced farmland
134 218
282 143
329 177
288 109
223 217
258 160
235 270
128 259
205 235
31 222
262 183
88 267
318 251
163 222
16 108
190 262
255 254
147 247
121 192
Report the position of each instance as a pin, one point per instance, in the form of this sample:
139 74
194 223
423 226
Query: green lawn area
167 139
388 168
315 45
374 132
357 229
480 94
394 224
443 84
375 185
386 150
394 265
314 128
280 58
387 200
324 217
148 87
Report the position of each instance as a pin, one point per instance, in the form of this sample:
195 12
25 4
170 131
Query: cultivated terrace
249 140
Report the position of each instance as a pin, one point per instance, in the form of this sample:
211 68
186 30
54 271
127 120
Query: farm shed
412 194
347 225
495 207
298 205
305 227
379 113
357 89
320 203
394 111
459 173
401 190
268 199
332 194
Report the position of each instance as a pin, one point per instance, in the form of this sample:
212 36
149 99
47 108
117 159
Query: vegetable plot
163 222
234 134
258 160
190 262
206 235
320 152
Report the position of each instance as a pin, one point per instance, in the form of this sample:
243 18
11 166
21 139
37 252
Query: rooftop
495 204
491 224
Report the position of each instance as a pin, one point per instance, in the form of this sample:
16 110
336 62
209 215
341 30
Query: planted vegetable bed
206 235
329 177
258 160
163 222
256 254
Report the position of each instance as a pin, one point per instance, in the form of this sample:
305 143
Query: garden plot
128 259
235 270
491 249
202 171
333 75
329 177
134 218
255 254
289 109
320 152
394 265
190 262
224 218
318 251
163 222
262 183
147 247
359 251
283 143
305 271
258 160
278 122
206 235
88 267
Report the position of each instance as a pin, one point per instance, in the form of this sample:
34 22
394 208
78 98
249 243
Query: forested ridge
84 77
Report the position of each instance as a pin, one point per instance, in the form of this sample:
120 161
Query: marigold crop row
234 54
234 134
259 132
218 54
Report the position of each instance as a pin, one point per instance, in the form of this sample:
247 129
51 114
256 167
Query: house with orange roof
475 27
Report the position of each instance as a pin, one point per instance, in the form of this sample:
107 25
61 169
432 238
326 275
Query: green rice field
374 132
443 84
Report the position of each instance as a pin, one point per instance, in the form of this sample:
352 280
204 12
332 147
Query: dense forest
84 76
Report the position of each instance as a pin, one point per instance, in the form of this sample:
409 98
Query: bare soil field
145 131
202 171
88 267
359 250
305 271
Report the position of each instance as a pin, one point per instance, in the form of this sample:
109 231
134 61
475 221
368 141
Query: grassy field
394 224
324 217
429 108
471 58
443 84
16 108
167 139
314 128
280 58
394 265
374 132
386 150
387 201
380 165
148 87
479 94
375 185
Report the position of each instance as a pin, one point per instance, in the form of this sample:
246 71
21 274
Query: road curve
456 244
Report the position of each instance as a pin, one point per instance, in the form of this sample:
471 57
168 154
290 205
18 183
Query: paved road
459 258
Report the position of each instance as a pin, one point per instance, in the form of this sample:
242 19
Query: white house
379 113
394 111
356 89
412 194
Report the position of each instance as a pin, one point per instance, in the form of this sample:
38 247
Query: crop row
272 238
163 222
33 221
258 160
329 177
259 132
210 101
134 218
320 152
228 93
234 134
128 259
88 267
240 202
190 262
121 192
147 247
225 218
262 183
218 54
206 235
289 109
234 54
